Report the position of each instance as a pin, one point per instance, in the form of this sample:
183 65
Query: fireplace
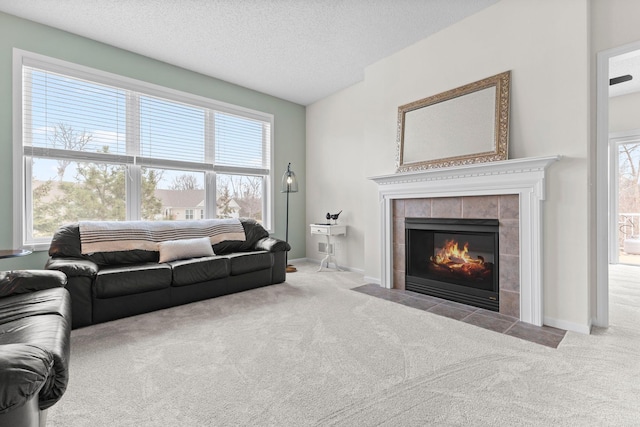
524 178
454 259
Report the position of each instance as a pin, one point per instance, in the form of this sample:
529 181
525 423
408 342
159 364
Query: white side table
328 230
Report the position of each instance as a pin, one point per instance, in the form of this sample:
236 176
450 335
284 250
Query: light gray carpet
313 352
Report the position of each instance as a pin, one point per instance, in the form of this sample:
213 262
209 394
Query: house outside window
96 146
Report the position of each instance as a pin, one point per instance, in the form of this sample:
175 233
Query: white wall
545 44
335 171
624 113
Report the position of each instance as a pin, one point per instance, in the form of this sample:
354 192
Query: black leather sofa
35 326
110 285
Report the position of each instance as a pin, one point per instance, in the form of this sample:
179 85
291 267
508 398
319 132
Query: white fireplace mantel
524 177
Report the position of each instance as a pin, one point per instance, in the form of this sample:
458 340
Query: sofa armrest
24 369
73 267
25 281
272 244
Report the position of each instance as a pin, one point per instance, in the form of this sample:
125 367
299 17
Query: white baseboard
331 265
568 326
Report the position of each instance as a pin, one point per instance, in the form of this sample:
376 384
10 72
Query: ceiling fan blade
620 79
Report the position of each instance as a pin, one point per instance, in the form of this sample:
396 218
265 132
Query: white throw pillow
172 250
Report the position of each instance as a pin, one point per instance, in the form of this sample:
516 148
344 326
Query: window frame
22 191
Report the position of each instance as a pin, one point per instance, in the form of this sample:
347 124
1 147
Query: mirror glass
462 126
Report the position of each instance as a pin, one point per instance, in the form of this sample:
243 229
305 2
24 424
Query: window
97 146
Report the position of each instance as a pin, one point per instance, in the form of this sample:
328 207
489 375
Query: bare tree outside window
629 190
185 182
67 138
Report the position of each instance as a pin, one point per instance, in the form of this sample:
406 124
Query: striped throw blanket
111 236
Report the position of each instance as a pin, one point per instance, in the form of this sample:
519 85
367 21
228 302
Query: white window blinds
68 116
241 142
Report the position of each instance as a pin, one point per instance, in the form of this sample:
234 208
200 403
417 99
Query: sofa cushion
132 279
248 262
49 301
28 281
196 270
136 256
66 242
172 250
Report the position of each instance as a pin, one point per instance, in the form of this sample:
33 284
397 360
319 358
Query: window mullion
210 190
134 173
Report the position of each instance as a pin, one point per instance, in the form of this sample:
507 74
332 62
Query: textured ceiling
299 50
626 64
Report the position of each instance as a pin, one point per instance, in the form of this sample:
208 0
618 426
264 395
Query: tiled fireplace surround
512 191
505 208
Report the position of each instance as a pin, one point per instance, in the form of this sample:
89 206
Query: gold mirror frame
428 114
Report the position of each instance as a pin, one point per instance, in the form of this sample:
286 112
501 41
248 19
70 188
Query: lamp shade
289 181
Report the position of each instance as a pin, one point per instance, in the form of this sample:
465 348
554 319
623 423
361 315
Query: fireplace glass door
453 259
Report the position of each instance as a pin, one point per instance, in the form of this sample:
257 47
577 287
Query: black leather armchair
35 326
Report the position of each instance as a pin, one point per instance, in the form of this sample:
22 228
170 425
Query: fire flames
457 260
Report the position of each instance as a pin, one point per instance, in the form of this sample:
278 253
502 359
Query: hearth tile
510 303
398 279
480 207
496 315
419 303
450 311
446 207
553 330
510 272
398 209
417 208
509 206
398 231
491 320
535 334
370 289
393 295
486 322
510 237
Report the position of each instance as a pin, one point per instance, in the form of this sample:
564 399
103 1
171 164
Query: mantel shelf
513 166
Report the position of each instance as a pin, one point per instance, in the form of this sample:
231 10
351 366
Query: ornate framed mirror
469 124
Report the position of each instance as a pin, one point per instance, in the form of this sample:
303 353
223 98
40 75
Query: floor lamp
289 185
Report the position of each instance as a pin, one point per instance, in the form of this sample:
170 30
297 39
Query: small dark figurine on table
334 217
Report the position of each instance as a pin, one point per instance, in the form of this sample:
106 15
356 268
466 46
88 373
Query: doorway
624 166
617 153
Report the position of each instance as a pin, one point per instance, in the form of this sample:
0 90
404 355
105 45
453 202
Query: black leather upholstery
24 369
126 280
34 344
249 262
189 271
110 285
28 281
